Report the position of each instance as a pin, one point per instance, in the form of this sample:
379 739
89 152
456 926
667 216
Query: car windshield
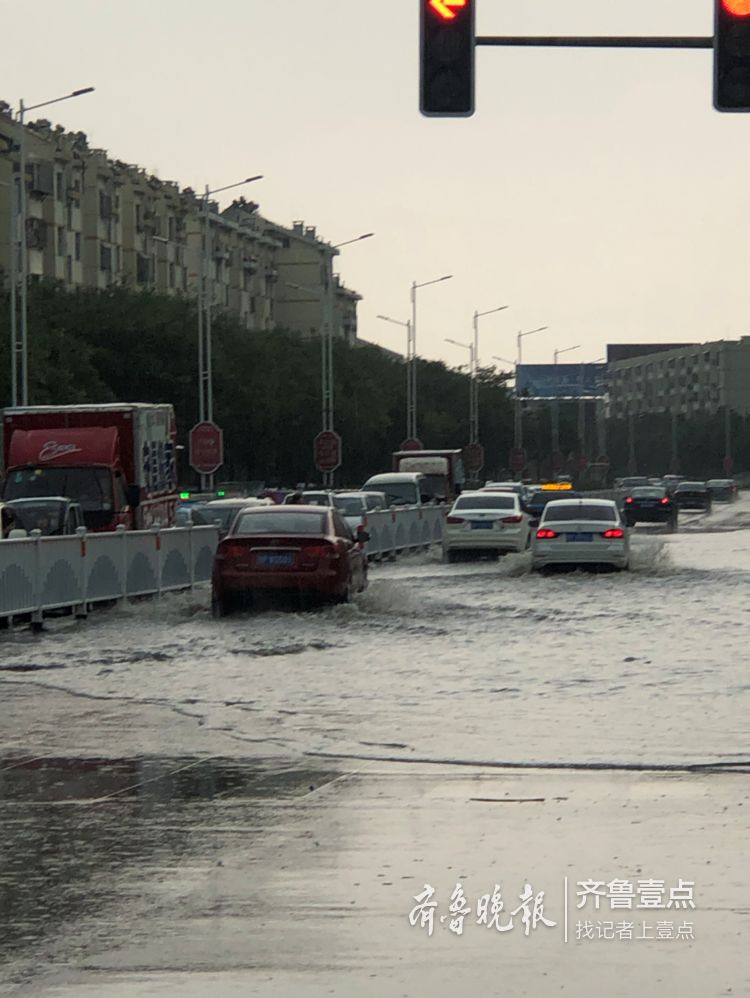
223 515
91 487
399 493
316 499
691 487
349 505
45 516
542 498
486 502
291 522
643 493
629 483
720 483
579 511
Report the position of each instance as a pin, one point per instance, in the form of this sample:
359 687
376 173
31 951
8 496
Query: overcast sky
595 192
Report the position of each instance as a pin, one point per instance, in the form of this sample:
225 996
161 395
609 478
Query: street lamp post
327 383
472 391
20 344
411 359
325 296
205 314
474 424
556 405
13 266
407 326
582 409
518 412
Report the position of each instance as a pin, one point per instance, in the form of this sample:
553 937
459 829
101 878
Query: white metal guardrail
38 573
407 528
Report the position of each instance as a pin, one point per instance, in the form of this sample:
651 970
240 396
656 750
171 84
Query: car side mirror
362 536
133 495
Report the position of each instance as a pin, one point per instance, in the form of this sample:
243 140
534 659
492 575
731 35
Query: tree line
95 346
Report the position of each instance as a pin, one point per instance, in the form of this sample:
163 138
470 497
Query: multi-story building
689 380
55 162
305 268
95 222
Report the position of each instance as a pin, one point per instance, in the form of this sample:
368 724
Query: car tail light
512 519
546 535
232 550
312 554
455 519
628 500
664 501
613 534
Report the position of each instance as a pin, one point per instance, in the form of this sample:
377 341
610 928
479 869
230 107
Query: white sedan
581 532
485 521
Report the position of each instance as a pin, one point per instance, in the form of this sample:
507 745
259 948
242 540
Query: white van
400 488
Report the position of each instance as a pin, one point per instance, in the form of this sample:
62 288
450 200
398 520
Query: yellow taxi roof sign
557 487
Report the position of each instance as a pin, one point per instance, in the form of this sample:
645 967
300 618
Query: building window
170 227
69 269
105 205
78 245
171 275
60 241
105 258
60 185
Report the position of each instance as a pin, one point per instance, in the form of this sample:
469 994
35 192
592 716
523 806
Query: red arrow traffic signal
732 56
443 7
447 52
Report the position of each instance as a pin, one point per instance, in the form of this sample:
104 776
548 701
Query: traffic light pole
601 41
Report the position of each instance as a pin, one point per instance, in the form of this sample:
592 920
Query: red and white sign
206 448
517 459
327 451
411 443
473 457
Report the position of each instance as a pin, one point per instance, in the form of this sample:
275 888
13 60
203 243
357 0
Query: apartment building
305 271
688 380
97 222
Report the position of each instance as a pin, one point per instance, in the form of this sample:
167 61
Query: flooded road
147 750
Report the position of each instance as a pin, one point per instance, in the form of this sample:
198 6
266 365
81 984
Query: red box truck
117 460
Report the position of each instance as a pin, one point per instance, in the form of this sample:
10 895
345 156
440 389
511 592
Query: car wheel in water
219 606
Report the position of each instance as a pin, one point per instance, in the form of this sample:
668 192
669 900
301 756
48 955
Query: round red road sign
473 456
327 451
517 458
206 448
411 443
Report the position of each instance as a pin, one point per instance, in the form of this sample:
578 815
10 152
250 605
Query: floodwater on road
480 661
173 787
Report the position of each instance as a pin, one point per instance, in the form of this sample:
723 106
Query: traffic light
732 55
447 49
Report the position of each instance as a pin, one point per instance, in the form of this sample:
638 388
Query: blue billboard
550 381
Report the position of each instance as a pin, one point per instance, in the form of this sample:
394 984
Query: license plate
481 525
648 504
273 559
579 537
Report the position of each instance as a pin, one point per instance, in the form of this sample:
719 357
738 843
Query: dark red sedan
304 549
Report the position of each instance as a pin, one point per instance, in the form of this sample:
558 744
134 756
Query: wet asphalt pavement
198 807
